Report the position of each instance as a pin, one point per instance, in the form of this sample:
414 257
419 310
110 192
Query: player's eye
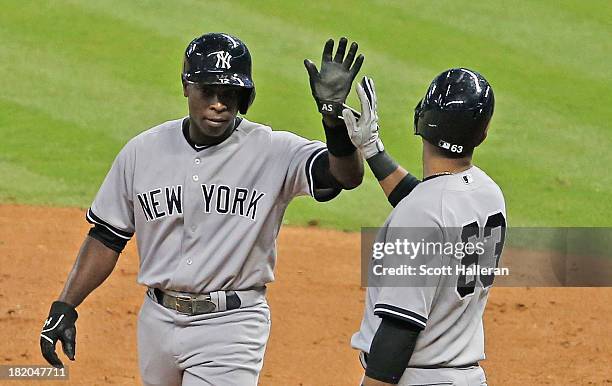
230 93
206 91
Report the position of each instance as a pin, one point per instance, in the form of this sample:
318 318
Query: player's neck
434 164
199 138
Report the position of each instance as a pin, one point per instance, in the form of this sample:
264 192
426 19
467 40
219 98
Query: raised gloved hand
59 326
363 131
331 85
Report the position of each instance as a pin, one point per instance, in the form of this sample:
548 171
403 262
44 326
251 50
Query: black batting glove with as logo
59 326
330 86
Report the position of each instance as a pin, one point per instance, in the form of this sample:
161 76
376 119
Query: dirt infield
556 336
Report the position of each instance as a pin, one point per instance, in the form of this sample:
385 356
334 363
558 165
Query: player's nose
217 104
220 107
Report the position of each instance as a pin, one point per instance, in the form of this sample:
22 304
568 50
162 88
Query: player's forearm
391 350
348 170
93 265
394 180
390 182
387 171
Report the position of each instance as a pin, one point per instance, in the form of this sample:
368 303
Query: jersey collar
437 175
445 174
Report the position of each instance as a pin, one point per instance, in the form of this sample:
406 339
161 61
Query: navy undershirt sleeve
391 350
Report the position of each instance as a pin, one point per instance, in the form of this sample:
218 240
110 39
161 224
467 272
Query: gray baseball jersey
447 306
206 219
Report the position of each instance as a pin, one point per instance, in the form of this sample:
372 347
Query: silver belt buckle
189 306
183 305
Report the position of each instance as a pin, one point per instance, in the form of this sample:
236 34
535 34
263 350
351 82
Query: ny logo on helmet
223 59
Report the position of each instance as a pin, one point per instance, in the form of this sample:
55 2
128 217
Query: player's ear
184 87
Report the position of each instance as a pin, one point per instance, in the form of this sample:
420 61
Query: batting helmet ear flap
246 100
484 135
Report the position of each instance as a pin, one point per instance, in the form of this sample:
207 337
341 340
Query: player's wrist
338 142
61 307
382 165
332 121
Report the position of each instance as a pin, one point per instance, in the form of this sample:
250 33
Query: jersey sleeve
296 156
409 297
113 207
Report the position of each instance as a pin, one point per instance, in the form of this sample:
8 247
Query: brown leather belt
196 304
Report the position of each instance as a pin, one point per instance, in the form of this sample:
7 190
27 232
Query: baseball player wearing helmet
206 195
426 328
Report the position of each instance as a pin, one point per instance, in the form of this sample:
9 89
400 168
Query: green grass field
79 78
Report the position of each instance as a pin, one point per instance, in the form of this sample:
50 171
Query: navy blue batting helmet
219 58
455 112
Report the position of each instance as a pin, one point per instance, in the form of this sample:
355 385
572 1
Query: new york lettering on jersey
222 199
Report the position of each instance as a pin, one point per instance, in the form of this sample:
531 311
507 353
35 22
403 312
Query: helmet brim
224 78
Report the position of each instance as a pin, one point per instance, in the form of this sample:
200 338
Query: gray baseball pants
468 376
219 348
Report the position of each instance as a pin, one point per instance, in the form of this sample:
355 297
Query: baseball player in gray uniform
425 328
206 194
